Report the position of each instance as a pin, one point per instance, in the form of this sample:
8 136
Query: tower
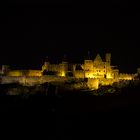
108 63
46 65
98 60
88 63
64 66
108 58
5 69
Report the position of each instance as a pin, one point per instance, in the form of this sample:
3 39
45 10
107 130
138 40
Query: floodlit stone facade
96 68
97 71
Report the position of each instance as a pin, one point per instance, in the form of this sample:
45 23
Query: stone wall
105 82
93 83
24 73
125 76
79 74
31 80
15 73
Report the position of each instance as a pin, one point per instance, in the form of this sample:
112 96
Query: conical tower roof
98 58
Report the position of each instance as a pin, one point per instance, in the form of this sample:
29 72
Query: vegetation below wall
67 108
65 100
69 87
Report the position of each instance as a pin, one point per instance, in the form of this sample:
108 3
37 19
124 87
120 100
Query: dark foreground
72 113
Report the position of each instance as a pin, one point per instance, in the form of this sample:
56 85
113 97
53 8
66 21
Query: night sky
29 32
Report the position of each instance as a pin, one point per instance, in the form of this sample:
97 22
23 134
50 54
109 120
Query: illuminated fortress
97 69
94 70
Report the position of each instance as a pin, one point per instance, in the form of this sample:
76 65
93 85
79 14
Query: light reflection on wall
63 73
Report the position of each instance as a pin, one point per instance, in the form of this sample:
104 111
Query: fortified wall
32 80
28 73
97 71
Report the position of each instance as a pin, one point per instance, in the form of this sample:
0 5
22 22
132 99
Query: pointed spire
98 58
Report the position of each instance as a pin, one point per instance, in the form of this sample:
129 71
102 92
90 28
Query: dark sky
31 31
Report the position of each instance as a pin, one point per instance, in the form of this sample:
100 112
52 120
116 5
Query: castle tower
5 69
108 58
88 63
108 63
64 66
46 65
98 59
